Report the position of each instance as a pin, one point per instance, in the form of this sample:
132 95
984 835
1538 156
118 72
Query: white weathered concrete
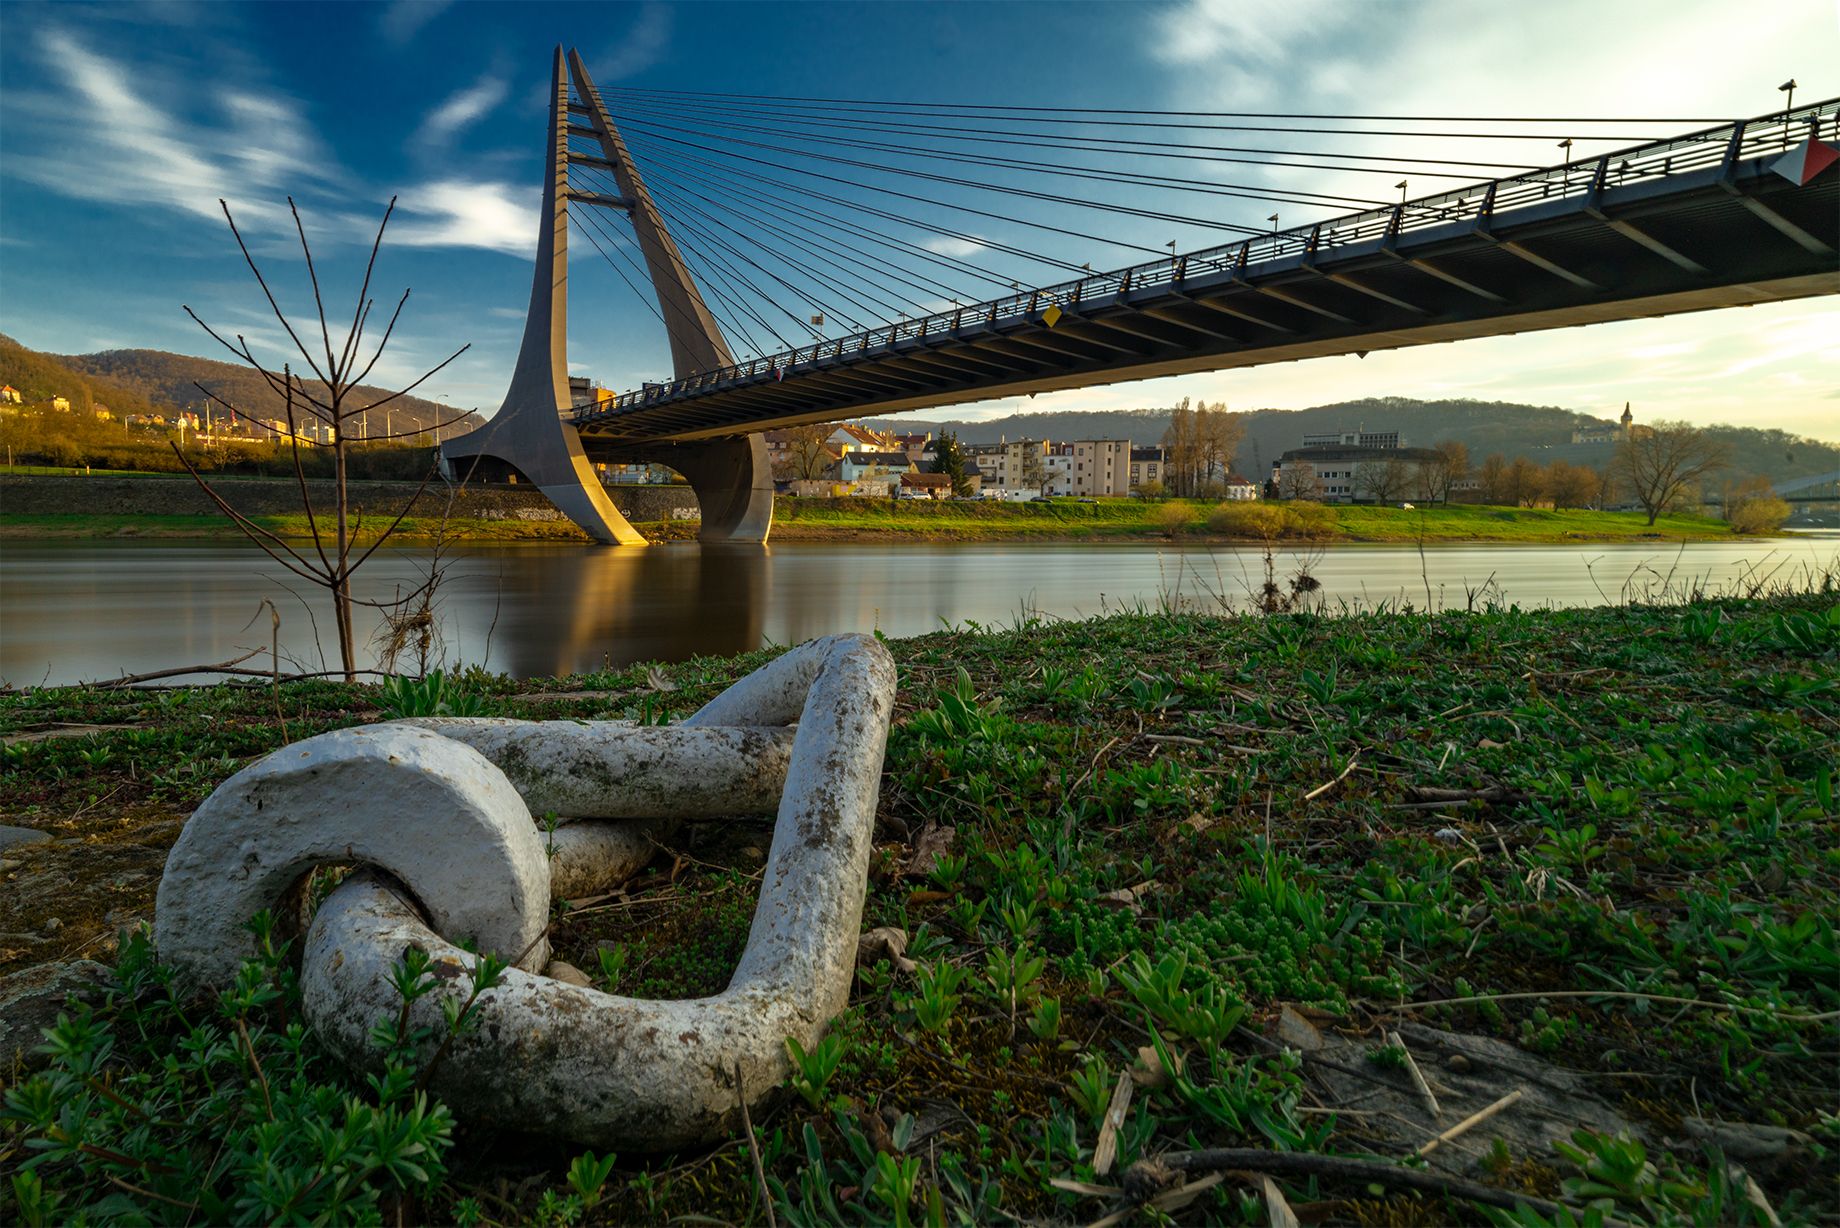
618 770
611 1071
432 812
622 788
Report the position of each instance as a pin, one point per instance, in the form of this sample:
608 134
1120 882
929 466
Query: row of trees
1199 447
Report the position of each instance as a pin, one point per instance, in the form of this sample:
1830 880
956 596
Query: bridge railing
1475 203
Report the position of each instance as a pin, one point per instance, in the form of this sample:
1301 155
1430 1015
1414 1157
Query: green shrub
1175 516
1763 514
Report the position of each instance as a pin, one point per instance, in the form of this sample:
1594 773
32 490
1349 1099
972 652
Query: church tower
1628 420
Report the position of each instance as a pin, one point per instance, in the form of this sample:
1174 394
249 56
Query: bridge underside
1721 237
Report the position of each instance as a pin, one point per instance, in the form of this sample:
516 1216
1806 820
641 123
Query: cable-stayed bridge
786 206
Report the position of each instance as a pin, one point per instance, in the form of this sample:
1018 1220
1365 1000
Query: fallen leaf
884 942
1490 744
1278 1212
1148 1072
932 841
1296 1031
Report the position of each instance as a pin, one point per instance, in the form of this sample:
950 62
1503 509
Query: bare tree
1034 467
330 400
1492 479
1569 485
1523 481
1437 477
1382 481
1664 463
1217 438
1182 450
808 451
1299 482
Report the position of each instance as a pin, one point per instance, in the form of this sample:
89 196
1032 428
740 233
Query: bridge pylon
531 434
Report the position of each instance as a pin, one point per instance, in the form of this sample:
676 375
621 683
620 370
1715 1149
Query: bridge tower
531 434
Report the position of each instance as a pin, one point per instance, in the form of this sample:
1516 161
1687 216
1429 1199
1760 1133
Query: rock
30 1001
7 867
9 836
1744 1140
51 926
567 973
1459 1063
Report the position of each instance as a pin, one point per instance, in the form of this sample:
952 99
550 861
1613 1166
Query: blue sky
120 126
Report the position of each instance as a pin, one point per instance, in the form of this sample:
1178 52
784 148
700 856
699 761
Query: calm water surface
73 611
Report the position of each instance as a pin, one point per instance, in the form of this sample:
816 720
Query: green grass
1641 804
220 528
1059 520
1068 518
77 471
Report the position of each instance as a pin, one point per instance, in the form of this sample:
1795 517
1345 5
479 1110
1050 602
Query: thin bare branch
363 308
385 343
418 383
407 507
319 302
299 566
300 476
267 293
421 430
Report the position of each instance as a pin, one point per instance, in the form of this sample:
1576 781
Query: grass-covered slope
1608 835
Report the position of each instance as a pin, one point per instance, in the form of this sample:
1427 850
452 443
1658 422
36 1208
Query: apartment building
1148 465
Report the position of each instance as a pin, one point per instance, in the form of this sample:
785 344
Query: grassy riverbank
1604 841
1061 520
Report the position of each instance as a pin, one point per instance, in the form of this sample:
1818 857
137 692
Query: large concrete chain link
443 808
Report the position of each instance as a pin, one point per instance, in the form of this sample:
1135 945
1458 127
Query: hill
169 379
1541 433
39 377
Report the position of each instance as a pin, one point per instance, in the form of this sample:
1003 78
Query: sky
122 126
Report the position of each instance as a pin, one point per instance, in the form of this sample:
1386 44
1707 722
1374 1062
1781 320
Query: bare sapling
328 404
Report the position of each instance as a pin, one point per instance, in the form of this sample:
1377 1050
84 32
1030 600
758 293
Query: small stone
30 1001
1459 1063
753 854
567 973
1449 835
7 866
52 926
9 836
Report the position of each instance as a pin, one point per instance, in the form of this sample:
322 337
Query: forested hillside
1540 433
39 377
171 379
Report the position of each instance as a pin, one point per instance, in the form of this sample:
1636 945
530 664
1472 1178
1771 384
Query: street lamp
1273 219
1788 88
1401 185
1566 145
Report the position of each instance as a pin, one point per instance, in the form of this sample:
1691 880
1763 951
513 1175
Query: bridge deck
1690 224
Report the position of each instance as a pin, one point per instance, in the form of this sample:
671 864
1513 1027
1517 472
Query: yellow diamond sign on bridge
1052 315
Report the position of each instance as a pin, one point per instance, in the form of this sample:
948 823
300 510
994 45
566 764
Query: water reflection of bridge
589 614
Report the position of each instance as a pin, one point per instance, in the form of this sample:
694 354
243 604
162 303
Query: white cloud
643 46
947 245
404 19
261 150
462 108
1256 31
499 217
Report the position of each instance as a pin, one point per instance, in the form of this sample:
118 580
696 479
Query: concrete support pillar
733 482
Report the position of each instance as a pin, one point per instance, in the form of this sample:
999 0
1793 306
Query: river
87 610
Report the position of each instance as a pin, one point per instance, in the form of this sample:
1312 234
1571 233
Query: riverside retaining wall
36 495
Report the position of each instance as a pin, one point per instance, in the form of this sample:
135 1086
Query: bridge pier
733 483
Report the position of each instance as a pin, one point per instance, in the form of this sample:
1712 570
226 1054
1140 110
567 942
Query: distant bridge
1721 217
